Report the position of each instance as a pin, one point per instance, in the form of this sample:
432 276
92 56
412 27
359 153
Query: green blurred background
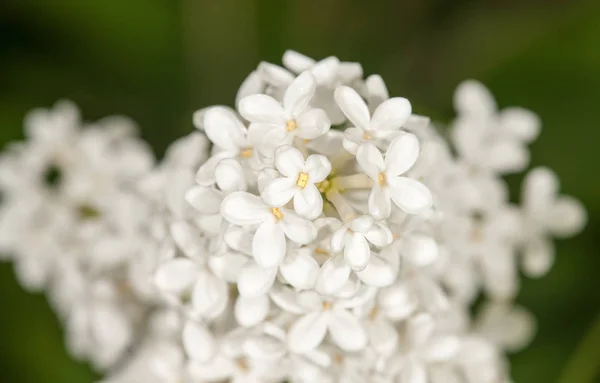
159 60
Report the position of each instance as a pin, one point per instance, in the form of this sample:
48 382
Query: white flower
386 120
233 140
298 182
489 139
546 213
354 237
322 316
275 224
389 185
284 121
276 254
423 348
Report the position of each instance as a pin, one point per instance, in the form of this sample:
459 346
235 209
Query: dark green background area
159 60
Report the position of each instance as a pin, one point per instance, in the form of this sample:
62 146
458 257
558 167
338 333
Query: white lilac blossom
318 231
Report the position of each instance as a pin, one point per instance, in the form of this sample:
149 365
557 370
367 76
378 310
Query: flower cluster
317 232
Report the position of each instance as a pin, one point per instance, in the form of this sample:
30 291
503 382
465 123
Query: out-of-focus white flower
546 214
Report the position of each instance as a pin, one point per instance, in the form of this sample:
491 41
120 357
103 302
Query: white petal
409 195
333 276
380 203
299 93
265 176
206 200
362 224
398 301
297 62
241 208
286 298
338 239
255 280
442 348
378 273
370 160
279 192
300 269
297 229
357 252
353 106
198 342
538 257
540 189
413 372
318 168
379 235
567 217
307 333
228 266
261 108
402 154
289 161
252 84
419 329
275 75
391 114
229 175
377 90
224 129
419 249
473 99
176 275
210 295
312 124
187 238
251 311
382 336
523 123
308 202
268 245
206 173
346 330
325 70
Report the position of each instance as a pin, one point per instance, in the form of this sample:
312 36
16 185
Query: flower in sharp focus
387 174
385 121
275 224
298 182
290 118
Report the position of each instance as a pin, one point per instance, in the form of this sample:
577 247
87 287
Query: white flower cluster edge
317 232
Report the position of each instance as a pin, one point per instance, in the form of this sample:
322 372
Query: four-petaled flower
389 183
298 182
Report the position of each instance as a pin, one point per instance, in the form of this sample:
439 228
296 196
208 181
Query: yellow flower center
302 180
291 125
326 306
276 213
366 136
320 250
373 313
247 153
323 186
242 364
381 179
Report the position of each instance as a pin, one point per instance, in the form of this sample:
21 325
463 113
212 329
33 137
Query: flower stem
355 181
338 162
344 210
